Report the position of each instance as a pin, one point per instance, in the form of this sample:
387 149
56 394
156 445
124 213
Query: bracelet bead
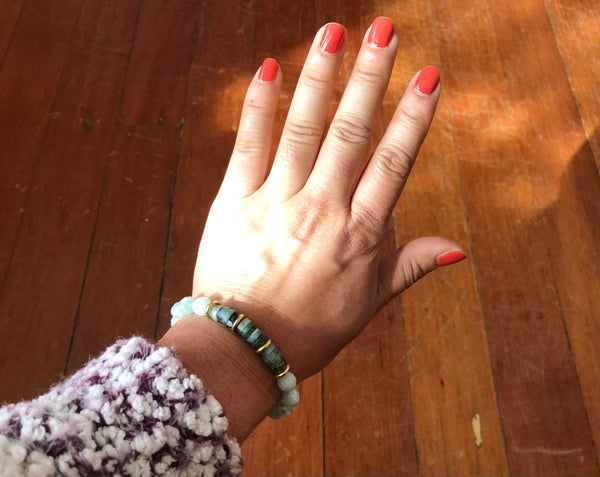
200 305
290 398
243 327
273 359
287 382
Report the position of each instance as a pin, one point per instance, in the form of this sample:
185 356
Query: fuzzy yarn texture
133 411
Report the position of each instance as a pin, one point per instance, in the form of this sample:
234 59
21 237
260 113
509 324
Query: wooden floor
117 118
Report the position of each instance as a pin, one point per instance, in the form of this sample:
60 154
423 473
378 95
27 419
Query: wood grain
450 376
48 265
507 94
9 14
40 42
580 55
130 241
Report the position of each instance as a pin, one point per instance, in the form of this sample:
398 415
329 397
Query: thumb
415 259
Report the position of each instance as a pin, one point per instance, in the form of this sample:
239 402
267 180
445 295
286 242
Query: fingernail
450 258
332 38
428 79
268 70
381 32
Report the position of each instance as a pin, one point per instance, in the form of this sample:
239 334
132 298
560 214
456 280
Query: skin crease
297 249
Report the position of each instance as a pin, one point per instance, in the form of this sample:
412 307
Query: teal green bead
243 326
273 359
287 382
260 342
223 314
213 312
246 330
253 337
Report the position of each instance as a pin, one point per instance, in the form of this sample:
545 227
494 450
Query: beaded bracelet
238 323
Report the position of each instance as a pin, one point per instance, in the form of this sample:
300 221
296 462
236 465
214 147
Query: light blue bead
186 305
287 382
200 305
290 398
177 310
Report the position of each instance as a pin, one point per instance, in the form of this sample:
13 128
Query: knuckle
247 145
413 272
312 80
303 132
395 161
369 77
412 120
364 232
350 132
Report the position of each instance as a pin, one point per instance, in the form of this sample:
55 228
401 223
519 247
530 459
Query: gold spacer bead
281 375
211 306
263 347
237 322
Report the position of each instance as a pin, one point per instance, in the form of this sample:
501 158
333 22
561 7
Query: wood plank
41 40
40 298
160 62
577 31
513 156
127 258
450 373
10 11
369 427
129 243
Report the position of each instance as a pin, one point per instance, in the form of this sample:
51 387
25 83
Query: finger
403 267
249 161
350 131
386 173
305 123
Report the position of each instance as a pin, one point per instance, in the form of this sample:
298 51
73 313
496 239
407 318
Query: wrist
230 370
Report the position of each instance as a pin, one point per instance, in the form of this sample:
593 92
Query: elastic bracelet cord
242 326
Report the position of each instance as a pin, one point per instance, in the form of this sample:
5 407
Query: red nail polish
427 80
268 70
381 32
332 38
449 258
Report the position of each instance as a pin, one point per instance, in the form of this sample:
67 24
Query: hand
298 248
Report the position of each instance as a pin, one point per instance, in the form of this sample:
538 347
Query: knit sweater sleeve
133 411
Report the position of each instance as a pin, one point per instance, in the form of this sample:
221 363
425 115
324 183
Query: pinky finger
249 161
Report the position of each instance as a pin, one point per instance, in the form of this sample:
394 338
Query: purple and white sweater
133 411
